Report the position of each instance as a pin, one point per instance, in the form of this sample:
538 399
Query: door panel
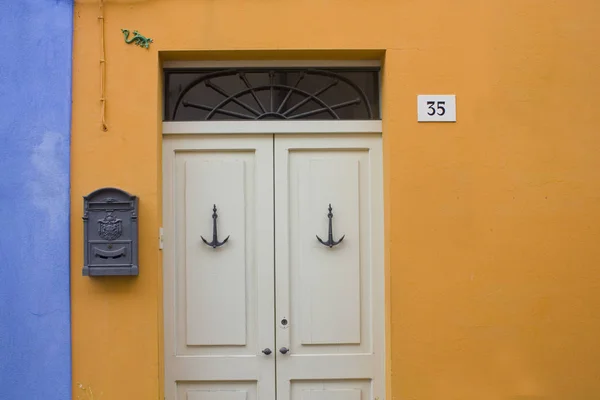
216 276
326 281
217 391
331 297
219 302
330 390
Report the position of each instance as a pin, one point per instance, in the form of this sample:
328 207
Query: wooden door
329 300
219 302
273 285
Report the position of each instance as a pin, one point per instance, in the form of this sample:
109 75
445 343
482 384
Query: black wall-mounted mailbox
110 233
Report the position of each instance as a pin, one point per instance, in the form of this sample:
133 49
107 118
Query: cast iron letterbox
110 233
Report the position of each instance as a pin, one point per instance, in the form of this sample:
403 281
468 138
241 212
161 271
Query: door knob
284 350
267 351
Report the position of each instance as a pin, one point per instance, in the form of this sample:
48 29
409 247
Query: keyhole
284 321
109 246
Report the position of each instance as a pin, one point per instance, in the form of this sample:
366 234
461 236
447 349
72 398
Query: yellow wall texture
492 223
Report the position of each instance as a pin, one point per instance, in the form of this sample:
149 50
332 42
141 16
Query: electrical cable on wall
102 70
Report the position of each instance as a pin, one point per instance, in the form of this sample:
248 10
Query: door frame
270 127
203 128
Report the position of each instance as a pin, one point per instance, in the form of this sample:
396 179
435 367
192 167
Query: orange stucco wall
492 223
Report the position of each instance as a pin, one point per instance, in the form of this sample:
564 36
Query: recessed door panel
331 394
216 391
331 390
215 278
326 281
217 395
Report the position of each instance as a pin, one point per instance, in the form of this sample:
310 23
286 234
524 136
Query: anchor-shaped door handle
215 242
330 242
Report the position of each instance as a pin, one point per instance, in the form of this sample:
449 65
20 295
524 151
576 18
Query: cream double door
273 313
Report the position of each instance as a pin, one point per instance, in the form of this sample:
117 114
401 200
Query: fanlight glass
275 94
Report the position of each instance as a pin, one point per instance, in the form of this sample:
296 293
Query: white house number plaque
436 108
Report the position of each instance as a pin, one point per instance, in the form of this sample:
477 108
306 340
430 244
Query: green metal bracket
137 38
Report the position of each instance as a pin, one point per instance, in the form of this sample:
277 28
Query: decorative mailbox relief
110 233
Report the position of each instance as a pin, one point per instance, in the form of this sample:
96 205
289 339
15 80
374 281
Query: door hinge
160 238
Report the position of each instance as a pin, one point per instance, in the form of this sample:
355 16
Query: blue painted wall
35 115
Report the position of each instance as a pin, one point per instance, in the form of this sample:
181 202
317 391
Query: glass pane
255 94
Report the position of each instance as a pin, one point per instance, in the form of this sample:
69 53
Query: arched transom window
271 93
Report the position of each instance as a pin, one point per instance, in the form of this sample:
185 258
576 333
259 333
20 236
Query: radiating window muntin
272 94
